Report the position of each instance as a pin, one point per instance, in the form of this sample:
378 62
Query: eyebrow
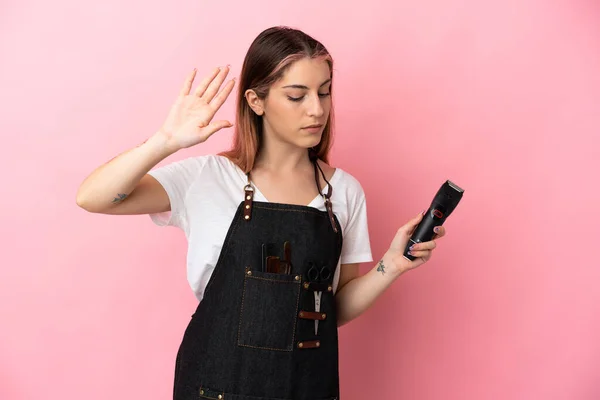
306 87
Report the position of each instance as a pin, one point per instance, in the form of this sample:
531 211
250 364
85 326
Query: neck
282 157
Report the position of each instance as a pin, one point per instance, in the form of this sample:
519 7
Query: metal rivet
306 285
202 392
247 217
298 277
247 206
323 316
318 344
301 314
329 288
220 396
248 197
300 344
249 272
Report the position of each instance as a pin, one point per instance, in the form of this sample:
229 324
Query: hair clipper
444 202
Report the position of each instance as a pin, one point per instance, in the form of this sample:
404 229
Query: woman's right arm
123 185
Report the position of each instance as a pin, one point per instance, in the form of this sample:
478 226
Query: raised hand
190 120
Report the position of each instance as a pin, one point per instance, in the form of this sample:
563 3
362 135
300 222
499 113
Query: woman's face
297 103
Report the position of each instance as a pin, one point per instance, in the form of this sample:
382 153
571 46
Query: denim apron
252 336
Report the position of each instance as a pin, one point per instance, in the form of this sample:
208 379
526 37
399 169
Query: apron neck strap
249 191
312 154
329 189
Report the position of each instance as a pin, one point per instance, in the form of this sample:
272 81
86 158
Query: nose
315 107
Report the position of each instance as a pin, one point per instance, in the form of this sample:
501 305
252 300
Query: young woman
275 234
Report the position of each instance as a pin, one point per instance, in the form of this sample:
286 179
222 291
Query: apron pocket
269 310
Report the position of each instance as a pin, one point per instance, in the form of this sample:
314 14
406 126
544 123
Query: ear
255 103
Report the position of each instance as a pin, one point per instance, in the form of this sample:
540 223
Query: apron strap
249 191
248 197
326 197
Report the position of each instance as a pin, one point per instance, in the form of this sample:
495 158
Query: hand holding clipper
444 202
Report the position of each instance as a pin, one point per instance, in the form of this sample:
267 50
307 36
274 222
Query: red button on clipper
438 213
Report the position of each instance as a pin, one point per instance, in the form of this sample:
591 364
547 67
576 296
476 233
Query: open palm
190 119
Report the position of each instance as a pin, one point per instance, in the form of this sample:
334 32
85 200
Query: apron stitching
274 280
296 315
263 348
242 308
253 397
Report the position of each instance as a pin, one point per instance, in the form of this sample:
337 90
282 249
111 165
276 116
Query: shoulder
350 206
345 185
209 160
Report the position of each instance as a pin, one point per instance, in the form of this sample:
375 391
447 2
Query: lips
313 126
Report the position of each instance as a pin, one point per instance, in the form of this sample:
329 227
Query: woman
275 234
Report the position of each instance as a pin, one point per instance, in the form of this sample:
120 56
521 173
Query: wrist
159 145
392 264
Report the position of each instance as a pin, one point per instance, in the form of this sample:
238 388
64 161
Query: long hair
267 59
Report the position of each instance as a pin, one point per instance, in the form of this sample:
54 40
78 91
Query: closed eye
322 95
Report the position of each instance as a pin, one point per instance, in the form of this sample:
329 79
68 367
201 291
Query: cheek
280 117
286 113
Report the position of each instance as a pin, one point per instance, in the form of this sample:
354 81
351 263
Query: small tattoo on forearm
381 267
120 197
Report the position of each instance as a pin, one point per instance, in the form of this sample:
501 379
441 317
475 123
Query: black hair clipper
444 202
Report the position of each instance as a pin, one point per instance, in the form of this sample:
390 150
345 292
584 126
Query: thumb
405 232
217 126
410 226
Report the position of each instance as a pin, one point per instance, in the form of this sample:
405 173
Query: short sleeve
356 247
176 178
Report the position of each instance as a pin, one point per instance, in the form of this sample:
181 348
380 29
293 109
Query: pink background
502 97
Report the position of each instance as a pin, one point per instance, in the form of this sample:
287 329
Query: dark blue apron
252 336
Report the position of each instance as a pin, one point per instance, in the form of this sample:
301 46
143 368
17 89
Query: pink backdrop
503 97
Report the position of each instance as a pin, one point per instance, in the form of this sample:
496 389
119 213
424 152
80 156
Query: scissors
320 276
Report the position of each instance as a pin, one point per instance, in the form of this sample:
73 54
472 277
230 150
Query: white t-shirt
205 192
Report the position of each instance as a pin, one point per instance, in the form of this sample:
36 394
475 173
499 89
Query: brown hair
267 59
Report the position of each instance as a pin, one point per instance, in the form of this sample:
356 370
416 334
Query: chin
305 141
311 141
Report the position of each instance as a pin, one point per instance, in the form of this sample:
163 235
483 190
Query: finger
216 126
420 254
219 99
214 86
205 82
187 86
430 245
410 226
440 231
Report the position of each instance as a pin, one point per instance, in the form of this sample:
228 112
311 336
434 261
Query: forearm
106 186
360 293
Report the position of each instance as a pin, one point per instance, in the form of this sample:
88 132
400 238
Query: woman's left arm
355 293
